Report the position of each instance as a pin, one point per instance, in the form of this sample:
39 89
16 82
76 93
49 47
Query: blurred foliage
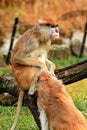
4 70
32 10
67 62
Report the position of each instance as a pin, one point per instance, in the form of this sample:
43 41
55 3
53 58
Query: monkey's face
54 32
48 31
49 28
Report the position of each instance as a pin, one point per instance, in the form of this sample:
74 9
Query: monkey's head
48 28
48 79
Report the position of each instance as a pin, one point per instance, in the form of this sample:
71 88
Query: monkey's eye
50 25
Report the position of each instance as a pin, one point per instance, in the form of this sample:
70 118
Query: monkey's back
59 107
20 44
23 73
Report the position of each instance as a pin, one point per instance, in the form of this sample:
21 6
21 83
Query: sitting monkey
29 57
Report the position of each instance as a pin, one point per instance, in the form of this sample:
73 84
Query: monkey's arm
30 62
51 66
29 54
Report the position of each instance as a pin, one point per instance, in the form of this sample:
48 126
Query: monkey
29 57
57 110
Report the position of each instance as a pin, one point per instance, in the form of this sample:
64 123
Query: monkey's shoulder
26 35
26 40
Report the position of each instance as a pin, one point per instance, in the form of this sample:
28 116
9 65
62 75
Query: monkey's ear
48 22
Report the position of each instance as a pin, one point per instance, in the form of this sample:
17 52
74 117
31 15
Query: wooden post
83 42
12 40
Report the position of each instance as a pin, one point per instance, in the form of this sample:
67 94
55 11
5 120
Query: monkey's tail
20 100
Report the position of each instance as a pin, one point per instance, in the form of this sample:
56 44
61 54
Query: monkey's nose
57 31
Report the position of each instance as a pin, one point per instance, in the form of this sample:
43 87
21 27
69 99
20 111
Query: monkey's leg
20 100
33 86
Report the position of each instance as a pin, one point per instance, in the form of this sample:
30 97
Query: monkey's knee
32 90
33 87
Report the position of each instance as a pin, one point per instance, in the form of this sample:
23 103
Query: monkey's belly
24 75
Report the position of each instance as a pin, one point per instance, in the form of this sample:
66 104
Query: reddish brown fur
24 75
59 107
48 20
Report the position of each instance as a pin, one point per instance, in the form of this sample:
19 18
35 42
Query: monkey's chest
38 53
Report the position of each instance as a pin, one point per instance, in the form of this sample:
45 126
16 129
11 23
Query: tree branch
72 73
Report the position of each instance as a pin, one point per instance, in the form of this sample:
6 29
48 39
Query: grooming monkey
29 57
57 110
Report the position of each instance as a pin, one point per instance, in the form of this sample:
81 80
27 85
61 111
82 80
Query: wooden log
72 73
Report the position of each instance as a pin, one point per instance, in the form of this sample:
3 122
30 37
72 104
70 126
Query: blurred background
71 16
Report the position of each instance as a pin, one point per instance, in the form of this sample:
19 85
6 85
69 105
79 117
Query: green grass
5 70
77 90
26 121
66 62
